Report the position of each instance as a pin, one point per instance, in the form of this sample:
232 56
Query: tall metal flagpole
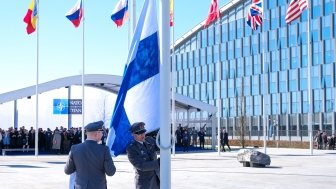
134 16
265 80
83 73
173 90
165 131
218 90
310 97
37 78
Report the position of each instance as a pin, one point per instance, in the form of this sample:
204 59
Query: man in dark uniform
90 160
142 155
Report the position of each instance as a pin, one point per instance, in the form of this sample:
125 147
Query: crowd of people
58 141
323 141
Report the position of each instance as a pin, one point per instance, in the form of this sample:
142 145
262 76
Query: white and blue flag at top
138 97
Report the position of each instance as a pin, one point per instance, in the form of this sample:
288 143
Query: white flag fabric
138 97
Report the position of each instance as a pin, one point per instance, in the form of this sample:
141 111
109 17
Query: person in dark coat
90 160
201 135
142 154
224 139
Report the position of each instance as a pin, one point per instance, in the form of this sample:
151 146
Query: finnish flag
138 97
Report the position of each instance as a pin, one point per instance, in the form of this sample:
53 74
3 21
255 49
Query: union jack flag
255 14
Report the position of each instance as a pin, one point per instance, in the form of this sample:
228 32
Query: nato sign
67 106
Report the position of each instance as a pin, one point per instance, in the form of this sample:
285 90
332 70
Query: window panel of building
273 83
204 92
240 28
186 77
196 58
303 79
232 107
185 90
232 30
180 78
316 29
256 64
326 76
199 40
294 57
317 100
210 91
283 37
273 40
238 48
326 27
211 71
329 100
238 87
283 12
272 4
283 81
225 70
178 59
247 88
293 80
215 90
192 76
197 92
209 55
284 59
284 103
317 10
274 61
334 25
240 67
198 74
191 91
184 60
231 88
249 106
231 50
328 7
317 53
267 104
295 98
232 69
190 59
246 47
305 104
303 29
274 18
255 85
225 105
204 39
329 51
223 89
275 104
293 35
315 77
248 66
256 105
225 33
203 57
211 36
216 53
304 56
223 49
205 74
193 44
255 44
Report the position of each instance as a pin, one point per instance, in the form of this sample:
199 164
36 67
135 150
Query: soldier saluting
142 155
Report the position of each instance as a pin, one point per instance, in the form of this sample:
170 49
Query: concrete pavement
290 168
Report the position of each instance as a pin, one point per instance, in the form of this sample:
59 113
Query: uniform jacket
147 169
91 161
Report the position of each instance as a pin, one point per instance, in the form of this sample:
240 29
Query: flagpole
265 79
218 91
173 117
83 73
133 16
310 97
37 78
165 131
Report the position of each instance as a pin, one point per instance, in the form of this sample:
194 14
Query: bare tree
241 119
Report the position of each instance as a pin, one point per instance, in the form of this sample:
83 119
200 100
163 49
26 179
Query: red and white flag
213 13
295 9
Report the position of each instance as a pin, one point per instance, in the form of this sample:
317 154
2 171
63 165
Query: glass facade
270 64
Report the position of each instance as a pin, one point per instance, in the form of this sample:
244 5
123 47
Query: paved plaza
290 168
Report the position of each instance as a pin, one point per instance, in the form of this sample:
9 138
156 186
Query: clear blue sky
60 53
60 44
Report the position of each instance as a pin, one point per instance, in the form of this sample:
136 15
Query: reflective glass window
246 46
330 100
317 8
225 32
284 59
305 105
329 51
231 50
295 102
209 55
273 40
275 104
255 85
204 38
256 105
316 29
204 74
283 81
232 69
240 67
327 76
317 53
274 61
328 6
293 35
223 49
247 87
315 77
326 27
232 30
274 19
294 57
248 66
293 80
238 48
186 76
303 79
256 64
203 56
240 28
255 44
304 56
317 100
273 83
284 103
